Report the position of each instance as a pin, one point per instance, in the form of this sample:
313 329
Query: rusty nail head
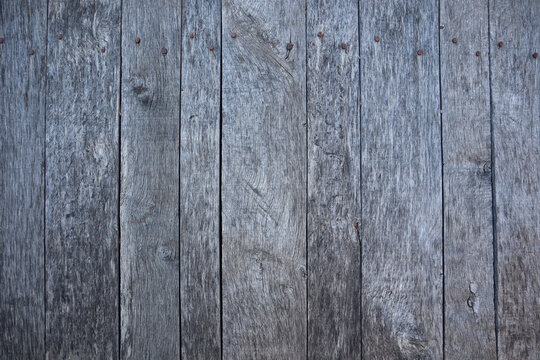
454 40
163 51
344 46
191 36
478 53
60 36
137 40
320 34
377 39
233 35
1 40
289 46
212 48
535 55
501 44
102 49
419 52
31 52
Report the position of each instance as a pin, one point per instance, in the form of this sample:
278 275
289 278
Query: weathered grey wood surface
82 179
515 78
214 179
149 252
264 180
401 181
200 181
334 251
22 139
468 235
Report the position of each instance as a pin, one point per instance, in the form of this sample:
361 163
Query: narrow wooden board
199 180
149 202
468 225
22 143
82 179
515 79
401 181
334 252
264 180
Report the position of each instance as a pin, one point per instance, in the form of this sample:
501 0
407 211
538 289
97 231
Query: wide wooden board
515 79
468 226
22 183
401 181
83 75
334 187
264 180
149 201
200 180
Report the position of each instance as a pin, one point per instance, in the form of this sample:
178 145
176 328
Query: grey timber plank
468 225
515 78
199 180
83 75
401 181
334 194
22 134
264 180
149 201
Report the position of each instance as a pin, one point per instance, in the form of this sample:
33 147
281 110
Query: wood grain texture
468 225
264 180
200 181
401 181
149 202
516 135
334 253
82 179
22 144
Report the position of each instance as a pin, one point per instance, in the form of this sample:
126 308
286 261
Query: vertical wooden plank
334 253
82 179
264 180
199 180
149 204
468 234
22 134
515 78
401 181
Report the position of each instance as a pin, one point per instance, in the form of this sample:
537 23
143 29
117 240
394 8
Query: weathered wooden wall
269 179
